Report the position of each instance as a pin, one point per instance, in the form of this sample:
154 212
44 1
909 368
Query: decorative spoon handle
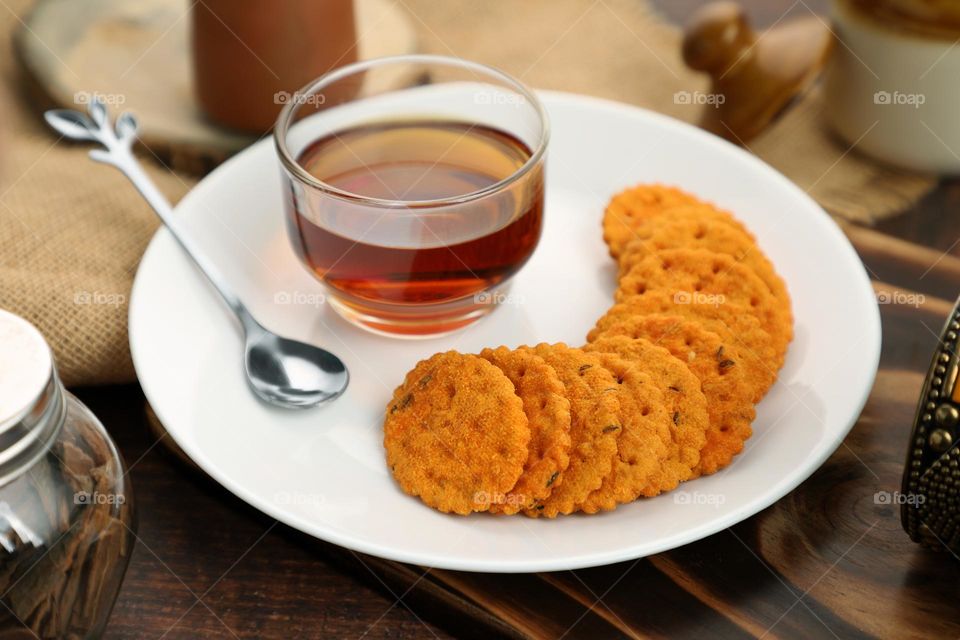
280 371
117 151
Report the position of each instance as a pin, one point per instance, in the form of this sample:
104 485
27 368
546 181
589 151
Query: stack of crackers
663 391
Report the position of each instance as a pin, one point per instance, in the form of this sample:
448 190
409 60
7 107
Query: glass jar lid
32 403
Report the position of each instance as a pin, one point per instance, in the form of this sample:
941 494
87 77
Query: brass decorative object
930 494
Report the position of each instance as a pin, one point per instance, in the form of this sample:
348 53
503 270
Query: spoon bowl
292 374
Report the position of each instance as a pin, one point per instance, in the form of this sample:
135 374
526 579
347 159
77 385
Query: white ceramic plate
323 472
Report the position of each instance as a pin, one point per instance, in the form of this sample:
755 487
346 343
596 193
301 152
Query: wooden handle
717 36
753 76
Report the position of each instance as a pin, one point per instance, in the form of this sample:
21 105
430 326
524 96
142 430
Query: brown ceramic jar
250 56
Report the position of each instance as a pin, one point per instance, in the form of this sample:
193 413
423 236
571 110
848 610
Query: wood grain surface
828 560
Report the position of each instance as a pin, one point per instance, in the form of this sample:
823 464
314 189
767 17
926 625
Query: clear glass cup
413 188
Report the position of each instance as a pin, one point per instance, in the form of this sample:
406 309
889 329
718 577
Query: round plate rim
870 355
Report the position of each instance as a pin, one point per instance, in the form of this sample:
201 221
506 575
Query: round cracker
682 397
595 425
728 395
629 207
455 433
690 228
706 277
732 322
644 442
548 414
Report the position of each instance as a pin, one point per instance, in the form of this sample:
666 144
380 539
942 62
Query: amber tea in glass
417 203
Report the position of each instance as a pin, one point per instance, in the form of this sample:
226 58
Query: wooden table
828 560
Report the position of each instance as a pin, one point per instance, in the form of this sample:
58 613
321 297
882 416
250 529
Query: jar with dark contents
67 525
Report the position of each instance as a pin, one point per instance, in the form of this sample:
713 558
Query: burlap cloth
72 232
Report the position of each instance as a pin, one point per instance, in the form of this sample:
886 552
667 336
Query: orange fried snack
456 434
710 278
548 414
683 400
629 207
729 396
644 442
698 228
662 393
732 322
595 425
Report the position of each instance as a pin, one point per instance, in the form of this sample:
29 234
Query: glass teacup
414 188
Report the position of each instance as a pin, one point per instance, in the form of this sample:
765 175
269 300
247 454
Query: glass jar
66 508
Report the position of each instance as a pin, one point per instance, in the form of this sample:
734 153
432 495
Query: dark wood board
827 559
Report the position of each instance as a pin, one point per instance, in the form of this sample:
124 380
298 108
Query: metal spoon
281 371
